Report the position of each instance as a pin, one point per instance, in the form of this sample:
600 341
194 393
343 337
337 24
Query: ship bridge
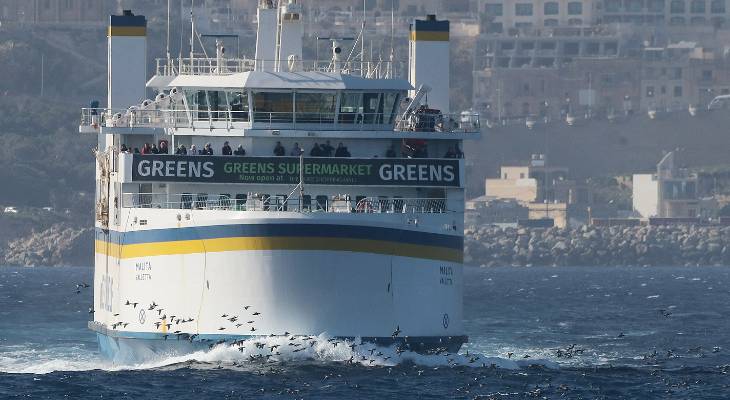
232 97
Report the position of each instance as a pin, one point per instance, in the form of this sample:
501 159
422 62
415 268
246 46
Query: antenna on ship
182 25
362 43
192 33
389 71
168 33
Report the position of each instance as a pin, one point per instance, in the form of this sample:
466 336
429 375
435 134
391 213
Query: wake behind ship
277 196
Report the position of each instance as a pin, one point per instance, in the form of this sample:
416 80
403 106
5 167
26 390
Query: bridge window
390 101
316 107
198 103
373 108
238 104
218 105
350 108
273 107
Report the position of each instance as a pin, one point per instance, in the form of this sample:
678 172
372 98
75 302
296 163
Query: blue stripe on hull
274 230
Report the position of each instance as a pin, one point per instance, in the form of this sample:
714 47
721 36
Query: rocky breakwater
56 245
598 246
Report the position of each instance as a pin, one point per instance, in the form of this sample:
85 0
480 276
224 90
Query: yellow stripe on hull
277 243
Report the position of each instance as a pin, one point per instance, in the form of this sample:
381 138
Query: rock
57 245
604 246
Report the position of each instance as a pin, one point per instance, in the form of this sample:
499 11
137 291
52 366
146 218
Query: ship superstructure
282 196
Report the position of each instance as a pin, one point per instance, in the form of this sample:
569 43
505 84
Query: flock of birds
364 353
267 353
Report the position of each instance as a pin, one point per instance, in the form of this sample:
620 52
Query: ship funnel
429 60
127 59
279 35
266 36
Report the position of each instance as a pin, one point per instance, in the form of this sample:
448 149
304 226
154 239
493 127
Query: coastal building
545 191
504 16
534 182
485 210
698 13
668 193
680 75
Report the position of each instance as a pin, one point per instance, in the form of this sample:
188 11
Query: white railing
456 122
466 121
228 66
279 203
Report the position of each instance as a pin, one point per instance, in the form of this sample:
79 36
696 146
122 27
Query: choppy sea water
593 333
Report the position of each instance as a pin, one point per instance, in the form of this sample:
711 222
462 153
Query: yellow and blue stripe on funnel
127 24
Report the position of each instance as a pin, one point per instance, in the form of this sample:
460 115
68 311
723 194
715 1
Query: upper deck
244 97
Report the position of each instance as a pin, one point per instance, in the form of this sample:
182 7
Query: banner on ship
285 170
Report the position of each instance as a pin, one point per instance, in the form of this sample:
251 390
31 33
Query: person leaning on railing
240 151
279 150
226 150
181 150
342 151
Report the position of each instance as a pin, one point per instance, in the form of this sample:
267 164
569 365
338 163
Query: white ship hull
346 276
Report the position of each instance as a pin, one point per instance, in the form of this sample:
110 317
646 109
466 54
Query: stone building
668 193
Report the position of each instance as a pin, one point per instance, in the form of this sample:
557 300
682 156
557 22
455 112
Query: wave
256 352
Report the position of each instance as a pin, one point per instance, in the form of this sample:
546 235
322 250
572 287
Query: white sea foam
319 349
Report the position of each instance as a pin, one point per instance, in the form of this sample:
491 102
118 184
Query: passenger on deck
163 147
146 149
181 150
124 149
390 153
207 150
316 151
279 150
154 149
240 151
136 150
193 150
450 153
296 151
459 153
226 150
327 149
342 151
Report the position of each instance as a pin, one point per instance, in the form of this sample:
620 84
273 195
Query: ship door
102 195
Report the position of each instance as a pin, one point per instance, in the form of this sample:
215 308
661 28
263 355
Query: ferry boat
354 230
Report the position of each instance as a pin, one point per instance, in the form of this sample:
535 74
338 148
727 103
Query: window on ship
273 107
321 203
315 107
238 104
307 202
241 200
